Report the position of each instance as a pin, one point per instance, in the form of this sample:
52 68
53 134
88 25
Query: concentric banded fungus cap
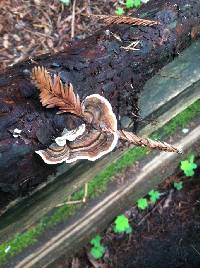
98 111
54 154
99 138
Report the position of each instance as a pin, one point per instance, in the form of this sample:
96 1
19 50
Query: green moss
96 185
178 122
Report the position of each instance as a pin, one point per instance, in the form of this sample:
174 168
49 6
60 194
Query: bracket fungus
70 135
91 140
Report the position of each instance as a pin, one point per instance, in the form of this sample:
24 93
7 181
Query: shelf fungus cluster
97 136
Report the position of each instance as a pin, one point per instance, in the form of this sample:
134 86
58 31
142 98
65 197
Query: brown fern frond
54 94
139 141
125 20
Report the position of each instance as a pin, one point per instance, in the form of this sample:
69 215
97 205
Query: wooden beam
19 216
93 218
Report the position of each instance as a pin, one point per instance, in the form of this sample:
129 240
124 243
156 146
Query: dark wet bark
97 64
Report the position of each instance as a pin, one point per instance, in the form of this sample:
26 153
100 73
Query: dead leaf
54 94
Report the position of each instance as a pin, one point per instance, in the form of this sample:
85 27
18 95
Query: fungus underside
96 186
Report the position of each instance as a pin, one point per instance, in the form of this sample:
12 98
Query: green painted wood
172 82
93 218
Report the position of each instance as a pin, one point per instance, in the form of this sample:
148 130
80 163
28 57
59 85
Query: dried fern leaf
54 94
139 141
125 20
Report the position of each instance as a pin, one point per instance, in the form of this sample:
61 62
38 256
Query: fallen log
99 64
124 176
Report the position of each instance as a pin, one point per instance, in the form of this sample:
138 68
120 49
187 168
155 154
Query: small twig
150 212
85 192
69 203
125 20
39 34
168 199
116 36
132 46
88 8
152 121
73 19
152 144
73 202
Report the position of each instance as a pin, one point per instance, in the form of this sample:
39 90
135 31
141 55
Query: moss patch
178 122
96 186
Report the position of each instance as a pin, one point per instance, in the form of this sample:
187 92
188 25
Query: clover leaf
96 241
142 203
178 185
119 11
122 225
133 3
98 249
129 3
97 252
154 196
188 166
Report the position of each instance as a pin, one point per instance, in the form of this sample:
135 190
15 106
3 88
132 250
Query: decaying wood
95 139
97 65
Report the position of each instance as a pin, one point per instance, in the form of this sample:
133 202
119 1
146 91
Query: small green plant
154 196
122 225
97 250
178 185
129 3
142 203
133 3
188 166
119 11
65 2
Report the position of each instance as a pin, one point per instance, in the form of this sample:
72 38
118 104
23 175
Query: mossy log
97 64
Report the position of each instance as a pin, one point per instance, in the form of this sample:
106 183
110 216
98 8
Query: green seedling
97 250
133 3
142 203
188 166
119 11
178 185
154 196
129 3
122 225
